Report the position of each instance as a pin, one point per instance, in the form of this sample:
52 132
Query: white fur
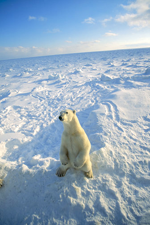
75 145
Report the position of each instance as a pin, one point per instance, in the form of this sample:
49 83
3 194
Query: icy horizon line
73 53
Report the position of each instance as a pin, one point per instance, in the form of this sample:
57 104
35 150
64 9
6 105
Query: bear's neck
73 127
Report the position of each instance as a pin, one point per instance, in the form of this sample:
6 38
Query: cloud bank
138 14
22 52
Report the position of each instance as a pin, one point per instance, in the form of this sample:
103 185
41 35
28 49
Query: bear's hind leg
87 169
89 174
62 170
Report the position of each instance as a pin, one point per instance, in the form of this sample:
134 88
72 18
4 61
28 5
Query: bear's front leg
64 155
62 170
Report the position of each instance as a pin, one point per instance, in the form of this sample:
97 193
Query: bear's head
67 115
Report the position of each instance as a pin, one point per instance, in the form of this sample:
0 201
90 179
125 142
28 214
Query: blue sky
45 27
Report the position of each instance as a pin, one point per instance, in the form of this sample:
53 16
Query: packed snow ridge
110 92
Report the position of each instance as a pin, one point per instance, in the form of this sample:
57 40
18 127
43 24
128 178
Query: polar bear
75 146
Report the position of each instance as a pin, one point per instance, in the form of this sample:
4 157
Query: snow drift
111 93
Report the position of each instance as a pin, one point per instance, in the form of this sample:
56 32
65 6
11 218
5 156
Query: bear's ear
74 111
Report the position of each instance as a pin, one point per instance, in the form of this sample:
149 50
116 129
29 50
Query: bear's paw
60 172
89 174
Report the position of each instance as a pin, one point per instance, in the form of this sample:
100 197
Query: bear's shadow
42 152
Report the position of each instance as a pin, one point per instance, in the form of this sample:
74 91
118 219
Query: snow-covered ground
111 94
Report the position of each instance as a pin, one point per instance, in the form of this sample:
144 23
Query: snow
111 94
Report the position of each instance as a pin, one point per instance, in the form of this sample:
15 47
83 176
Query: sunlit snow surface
111 94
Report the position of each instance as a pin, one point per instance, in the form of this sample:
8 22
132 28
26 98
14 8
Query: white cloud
32 18
106 21
69 42
138 14
96 41
110 34
89 43
41 18
139 5
53 31
90 20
